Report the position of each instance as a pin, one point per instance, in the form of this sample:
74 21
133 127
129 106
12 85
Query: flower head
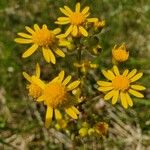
121 85
102 128
120 54
34 90
44 38
77 20
56 94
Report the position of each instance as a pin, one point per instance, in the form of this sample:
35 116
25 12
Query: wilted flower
102 128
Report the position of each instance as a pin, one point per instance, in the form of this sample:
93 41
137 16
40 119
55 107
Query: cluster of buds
100 129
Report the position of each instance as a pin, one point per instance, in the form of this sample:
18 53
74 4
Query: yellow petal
61 76
62 22
57 31
59 52
58 115
104 83
123 100
71 113
23 41
116 71
52 57
83 31
68 10
85 10
132 73
46 54
38 82
136 77
30 51
63 19
109 95
77 7
64 12
129 100
75 110
138 87
29 30
136 93
44 26
49 115
25 35
74 30
125 73
109 75
86 15
67 80
56 79
73 85
37 71
26 76
92 19
61 36
40 99
105 89
115 97
36 27
68 30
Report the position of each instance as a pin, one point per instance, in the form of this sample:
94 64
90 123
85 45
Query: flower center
43 37
54 94
34 90
120 55
120 83
77 18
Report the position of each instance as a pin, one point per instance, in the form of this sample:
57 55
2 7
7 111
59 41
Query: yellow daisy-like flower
56 95
120 54
34 90
41 37
121 85
77 20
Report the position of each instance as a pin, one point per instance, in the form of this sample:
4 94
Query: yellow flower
44 38
120 54
77 20
56 95
121 85
34 90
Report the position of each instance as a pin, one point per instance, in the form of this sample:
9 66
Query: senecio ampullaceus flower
120 54
55 94
77 20
120 86
44 38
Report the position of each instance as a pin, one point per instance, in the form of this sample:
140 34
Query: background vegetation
21 119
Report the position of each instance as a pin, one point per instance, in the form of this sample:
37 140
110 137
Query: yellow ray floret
35 91
120 86
77 20
55 96
44 38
